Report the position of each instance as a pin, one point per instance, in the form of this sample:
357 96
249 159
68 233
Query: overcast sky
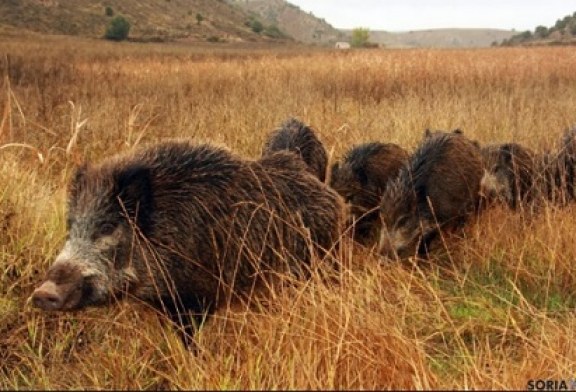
403 15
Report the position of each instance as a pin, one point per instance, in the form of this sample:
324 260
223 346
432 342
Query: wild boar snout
62 289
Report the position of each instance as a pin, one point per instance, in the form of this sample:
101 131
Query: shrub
118 29
360 37
273 31
572 28
255 25
541 32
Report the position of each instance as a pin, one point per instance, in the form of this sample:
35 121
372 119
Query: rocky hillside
202 20
563 32
291 20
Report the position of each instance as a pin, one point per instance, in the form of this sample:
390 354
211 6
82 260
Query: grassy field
493 309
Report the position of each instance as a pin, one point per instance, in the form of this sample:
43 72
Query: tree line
563 29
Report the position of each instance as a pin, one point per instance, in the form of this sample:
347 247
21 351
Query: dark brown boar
297 137
437 190
511 172
569 159
547 179
186 227
361 179
565 168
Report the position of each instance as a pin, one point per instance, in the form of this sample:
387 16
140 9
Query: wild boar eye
106 229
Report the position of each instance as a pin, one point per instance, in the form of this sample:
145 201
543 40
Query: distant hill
291 20
441 38
563 32
202 20
228 21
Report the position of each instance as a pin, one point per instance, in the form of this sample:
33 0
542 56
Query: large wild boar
511 172
437 190
361 179
564 164
569 159
297 137
548 179
186 227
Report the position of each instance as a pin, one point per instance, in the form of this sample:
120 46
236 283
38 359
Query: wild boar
185 228
510 174
437 190
297 137
361 179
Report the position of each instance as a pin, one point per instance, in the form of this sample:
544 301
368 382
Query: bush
108 11
541 32
118 29
360 37
526 35
273 31
255 25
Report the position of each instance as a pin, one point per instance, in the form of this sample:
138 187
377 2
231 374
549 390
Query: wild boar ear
458 131
507 152
362 176
420 193
134 189
427 132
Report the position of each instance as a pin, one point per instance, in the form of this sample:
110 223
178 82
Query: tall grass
492 309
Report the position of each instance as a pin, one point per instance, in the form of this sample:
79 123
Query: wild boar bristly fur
185 227
293 135
437 189
510 174
361 179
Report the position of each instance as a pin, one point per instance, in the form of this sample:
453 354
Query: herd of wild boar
186 227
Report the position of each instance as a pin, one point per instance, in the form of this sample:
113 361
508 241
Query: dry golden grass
491 310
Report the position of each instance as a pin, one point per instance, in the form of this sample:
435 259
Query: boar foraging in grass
564 173
568 156
510 174
186 227
361 179
297 137
438 189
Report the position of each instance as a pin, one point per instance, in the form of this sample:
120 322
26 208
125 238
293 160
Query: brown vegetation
491 310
